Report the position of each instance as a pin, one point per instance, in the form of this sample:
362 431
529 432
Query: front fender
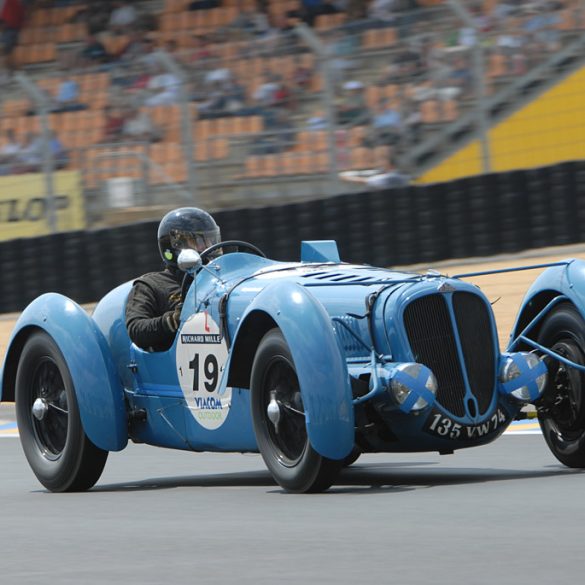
567 280
320 364
99 394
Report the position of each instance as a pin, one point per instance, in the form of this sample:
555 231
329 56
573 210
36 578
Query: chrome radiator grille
433 335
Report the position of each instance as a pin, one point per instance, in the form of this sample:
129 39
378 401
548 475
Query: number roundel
201 357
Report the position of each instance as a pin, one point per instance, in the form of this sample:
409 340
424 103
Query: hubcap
284 412
273 411
49 409
40 408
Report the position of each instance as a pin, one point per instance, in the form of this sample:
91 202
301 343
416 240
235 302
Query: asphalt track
504 513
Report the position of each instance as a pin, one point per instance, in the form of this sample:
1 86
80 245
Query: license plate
443 426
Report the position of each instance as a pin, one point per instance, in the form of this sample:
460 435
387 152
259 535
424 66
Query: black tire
56 447
355 454
294 464
561 410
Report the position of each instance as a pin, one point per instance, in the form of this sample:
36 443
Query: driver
153 309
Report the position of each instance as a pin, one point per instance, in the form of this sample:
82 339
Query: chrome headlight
523 375
413 386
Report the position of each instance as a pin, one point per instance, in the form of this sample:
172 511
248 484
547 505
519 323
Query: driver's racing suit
153 309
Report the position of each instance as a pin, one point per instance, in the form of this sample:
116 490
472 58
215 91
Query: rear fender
319 361
567 281
86 352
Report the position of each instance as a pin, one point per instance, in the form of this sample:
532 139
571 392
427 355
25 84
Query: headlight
413 386
523 375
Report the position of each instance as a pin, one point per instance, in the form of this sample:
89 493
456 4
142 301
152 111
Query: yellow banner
24 208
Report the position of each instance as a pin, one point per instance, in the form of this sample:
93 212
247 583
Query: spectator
353 108
310 9
149 57
123 17
163 88
227 97
204 4
67 97
356 10
93 52
411 125
343 48
114 124
382 10
202 51
235 95
265 93
251 23
386 125
282 95
135 48
139 126
9 153
60 155
461 77
218 75
385 178
301 76
30 157
12 17
317 122
541 28
279 135
214 102
96 15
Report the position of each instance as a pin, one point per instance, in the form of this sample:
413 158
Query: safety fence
477 216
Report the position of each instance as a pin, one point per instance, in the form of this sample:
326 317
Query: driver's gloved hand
172 319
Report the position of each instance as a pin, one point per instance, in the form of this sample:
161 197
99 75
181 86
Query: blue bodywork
350 329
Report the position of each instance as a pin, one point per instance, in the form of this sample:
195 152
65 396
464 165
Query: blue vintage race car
310 363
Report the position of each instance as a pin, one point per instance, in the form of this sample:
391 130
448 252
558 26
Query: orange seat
175 5
328 21
379 38
360 158
70 32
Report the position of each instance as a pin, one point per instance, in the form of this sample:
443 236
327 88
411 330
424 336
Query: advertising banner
24 208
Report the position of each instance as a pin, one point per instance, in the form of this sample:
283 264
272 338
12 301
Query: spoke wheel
48 404
289 436
561 411
50 429
279 421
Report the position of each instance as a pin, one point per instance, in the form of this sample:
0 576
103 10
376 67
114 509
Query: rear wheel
52 437
279 421
561 411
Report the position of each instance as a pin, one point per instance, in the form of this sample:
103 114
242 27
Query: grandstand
260 102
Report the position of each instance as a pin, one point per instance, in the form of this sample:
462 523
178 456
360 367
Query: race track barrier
477 216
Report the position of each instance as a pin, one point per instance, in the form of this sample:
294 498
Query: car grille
432 334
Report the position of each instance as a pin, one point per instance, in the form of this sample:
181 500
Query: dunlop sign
24 209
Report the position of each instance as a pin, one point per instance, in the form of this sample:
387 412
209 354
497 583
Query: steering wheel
238 244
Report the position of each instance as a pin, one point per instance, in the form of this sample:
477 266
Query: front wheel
279 421
561 410
52 437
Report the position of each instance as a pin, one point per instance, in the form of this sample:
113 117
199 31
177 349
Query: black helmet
186 227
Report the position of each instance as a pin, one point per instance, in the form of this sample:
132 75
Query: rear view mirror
189 261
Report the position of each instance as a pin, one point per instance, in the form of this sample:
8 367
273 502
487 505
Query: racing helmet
186 227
